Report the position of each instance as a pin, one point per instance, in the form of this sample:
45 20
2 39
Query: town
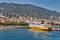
51 20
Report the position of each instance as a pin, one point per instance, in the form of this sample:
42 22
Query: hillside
10 9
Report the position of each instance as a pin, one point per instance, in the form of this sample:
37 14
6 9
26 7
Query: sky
48 4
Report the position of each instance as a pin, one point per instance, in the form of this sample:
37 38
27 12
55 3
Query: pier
55 29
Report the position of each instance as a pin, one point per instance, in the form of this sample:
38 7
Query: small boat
38 26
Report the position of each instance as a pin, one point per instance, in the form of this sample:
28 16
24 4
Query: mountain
10 9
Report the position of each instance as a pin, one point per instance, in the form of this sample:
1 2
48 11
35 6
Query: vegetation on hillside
12 9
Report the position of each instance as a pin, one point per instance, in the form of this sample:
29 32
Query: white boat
38 26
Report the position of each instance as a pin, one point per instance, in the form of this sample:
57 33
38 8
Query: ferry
38 26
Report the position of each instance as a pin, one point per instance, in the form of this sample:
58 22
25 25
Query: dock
55 29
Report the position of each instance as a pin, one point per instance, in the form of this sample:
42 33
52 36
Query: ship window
33 23
38 24
43 25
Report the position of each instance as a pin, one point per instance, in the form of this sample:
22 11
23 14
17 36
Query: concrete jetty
55 29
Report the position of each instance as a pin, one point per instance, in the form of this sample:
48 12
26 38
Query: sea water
26 34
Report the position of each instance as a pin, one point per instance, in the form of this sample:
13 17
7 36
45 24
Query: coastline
5 27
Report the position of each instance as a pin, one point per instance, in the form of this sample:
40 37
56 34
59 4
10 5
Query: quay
55 29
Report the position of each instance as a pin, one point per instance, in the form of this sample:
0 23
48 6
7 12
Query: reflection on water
26 34
52 35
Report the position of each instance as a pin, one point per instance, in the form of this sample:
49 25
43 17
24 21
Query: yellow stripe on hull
40 28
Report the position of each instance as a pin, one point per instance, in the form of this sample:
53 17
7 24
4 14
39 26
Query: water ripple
54 35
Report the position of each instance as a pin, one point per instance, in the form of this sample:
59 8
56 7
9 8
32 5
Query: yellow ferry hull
40 28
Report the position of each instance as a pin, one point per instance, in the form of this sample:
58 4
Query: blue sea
26 34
